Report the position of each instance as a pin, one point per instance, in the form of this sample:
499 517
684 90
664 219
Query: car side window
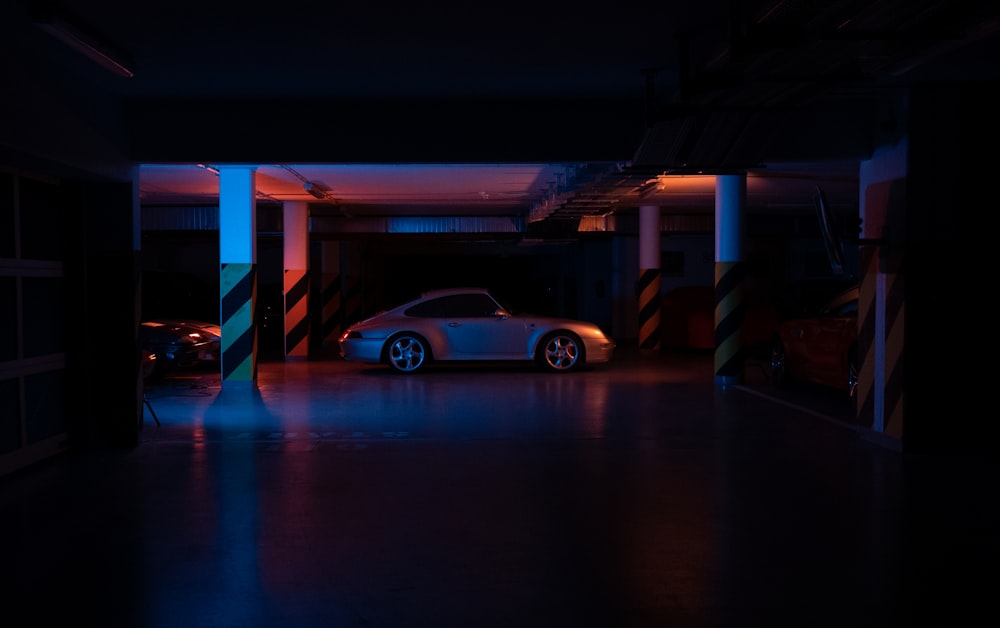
456 306
468 306
849 309
427 309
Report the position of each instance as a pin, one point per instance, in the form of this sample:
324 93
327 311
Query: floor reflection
634 495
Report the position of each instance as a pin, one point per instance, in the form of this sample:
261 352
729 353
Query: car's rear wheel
779 364
561 352
407 353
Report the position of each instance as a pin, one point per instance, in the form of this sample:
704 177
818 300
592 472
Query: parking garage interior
896 94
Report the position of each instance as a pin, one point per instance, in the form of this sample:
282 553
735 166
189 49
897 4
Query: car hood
178 331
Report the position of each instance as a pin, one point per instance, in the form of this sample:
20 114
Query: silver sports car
471 324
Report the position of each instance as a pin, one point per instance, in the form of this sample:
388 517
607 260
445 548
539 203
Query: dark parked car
147 363
179 344
822 348
471 325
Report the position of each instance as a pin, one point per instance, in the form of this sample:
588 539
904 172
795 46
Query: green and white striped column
238 275
730 197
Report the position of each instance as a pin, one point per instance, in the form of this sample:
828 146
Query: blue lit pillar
238 275
649 277
730 198
296 278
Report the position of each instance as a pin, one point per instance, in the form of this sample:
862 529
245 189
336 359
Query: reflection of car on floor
470 325
820 349
179 344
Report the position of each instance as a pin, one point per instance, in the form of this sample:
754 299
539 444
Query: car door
476 332
824 343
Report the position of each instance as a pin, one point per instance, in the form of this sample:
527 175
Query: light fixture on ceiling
83 40
316 189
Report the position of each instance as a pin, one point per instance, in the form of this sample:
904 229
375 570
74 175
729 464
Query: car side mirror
501 314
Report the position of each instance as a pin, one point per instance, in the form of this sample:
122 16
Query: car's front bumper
599 351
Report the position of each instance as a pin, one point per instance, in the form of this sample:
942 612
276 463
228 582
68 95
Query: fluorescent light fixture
84 41
316 189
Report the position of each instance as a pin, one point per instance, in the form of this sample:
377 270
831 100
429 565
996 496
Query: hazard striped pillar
237 275
879 392
650 300
881 336
869 321
895 317
296 278
730 271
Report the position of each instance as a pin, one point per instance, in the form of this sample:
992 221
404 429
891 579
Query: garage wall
68 259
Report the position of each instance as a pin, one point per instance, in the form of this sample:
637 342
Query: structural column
296 278
881 312
730 272
238 275
650 300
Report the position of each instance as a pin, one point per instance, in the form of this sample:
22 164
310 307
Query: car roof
441 292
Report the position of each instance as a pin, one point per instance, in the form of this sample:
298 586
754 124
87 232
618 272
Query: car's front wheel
561 352
407 353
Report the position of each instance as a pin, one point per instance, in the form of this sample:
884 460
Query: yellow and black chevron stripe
650 303
238 290
865 391
729 315
893 342
895 315
296 287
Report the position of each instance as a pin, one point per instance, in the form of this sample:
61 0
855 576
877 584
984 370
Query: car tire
779 364
407 353
560 352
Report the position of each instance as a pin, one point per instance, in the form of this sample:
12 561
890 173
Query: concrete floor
633 494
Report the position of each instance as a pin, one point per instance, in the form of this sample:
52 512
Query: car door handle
454 324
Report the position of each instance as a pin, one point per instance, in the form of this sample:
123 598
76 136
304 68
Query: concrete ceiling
456 109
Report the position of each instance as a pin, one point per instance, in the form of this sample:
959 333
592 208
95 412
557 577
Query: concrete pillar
650 300
730 273
238 275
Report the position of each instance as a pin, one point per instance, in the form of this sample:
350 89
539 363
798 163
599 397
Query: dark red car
820 349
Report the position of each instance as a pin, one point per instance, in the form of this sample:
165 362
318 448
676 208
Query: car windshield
844 304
